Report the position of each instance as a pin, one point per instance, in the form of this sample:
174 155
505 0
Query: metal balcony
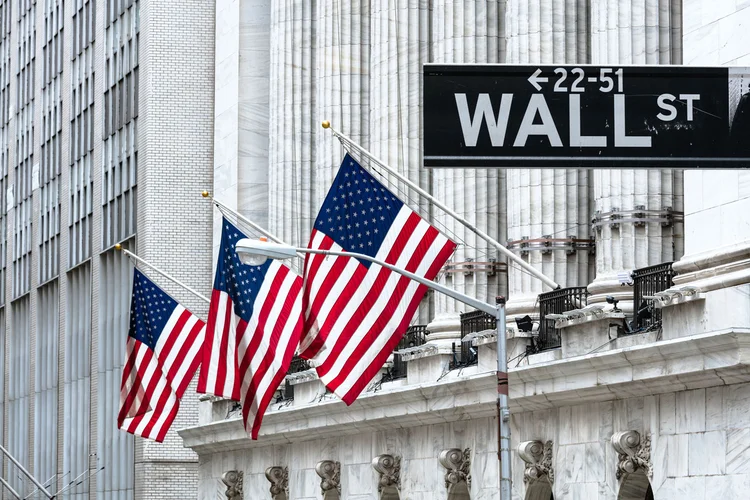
414 336
556 302
647 281
465 354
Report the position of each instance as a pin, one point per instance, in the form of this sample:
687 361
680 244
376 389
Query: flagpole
489 239
159 271
244 219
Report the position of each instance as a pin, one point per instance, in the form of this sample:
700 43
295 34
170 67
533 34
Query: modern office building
105 138
597 411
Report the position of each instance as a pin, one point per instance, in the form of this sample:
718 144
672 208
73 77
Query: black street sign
588 116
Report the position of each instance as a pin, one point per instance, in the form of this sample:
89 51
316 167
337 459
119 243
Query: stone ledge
418 352
302 377
705 360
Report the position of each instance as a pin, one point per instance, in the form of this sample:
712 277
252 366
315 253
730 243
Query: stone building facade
105 138
661 413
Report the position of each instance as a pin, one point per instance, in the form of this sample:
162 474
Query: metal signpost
589 116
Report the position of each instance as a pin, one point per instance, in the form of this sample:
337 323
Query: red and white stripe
356 316
220 349
153 381
248 360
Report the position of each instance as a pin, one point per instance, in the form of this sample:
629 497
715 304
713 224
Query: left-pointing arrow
535 79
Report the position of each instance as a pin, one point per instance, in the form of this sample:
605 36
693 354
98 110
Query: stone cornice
715 358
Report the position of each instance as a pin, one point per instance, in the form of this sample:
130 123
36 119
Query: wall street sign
589 116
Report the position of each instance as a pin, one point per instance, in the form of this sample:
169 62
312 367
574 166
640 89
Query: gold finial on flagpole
118 246
205 194
326 124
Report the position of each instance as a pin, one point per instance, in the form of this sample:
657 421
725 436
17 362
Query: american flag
357 311
162 355
254 326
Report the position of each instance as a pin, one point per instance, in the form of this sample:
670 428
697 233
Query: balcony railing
414 336
298 365
647 281
465 354
556 302
287 389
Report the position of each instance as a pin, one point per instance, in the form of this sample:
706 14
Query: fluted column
319 71
548 207
647 32
470 31
241 118
342 55
292 206
399 38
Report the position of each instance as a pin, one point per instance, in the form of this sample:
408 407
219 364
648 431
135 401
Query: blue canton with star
150 309
240 281
358 211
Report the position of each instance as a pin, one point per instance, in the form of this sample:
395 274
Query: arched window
389 493
539 489
635 486
459 491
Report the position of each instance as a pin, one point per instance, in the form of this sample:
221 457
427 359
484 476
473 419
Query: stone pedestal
444 331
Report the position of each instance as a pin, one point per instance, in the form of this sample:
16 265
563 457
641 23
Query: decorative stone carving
330 474
389 469
458 464
538 458
633 454
279 478
233 480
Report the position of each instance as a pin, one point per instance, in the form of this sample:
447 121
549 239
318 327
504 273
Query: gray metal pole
471 227
27 474
503 410
12 491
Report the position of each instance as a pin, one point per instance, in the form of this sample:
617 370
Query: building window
51 147
24 147
81 132
120 153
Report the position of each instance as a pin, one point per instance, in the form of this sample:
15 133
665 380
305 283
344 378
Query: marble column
469 31
646 32
342 59
319 71
548 207
399 44
292 126
241 118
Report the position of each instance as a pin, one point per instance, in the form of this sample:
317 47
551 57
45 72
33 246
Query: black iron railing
556 302
464 353
414 336
287 389
298 365
647 281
